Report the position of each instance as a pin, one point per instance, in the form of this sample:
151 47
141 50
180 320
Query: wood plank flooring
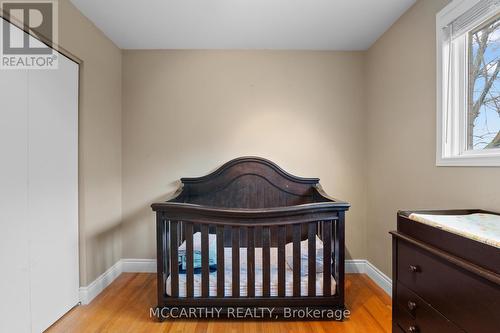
124 307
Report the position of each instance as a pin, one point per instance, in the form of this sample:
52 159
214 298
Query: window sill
476 160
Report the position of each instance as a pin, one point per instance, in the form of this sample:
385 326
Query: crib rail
187 212
252 230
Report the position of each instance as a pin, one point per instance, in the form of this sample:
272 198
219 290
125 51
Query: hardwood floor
124 307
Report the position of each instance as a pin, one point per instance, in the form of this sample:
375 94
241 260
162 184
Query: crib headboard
248 182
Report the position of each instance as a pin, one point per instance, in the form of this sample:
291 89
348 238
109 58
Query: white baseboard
357 266
87 294
361 266
139 265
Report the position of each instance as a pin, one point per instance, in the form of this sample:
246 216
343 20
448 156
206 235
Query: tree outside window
483 116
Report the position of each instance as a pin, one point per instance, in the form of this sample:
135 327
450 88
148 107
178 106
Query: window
468 48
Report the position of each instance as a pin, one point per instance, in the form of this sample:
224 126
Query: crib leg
343 308
160 317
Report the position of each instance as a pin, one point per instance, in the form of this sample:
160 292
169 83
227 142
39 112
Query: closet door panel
14 229
53 192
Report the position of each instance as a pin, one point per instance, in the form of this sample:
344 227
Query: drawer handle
412 305
413 329
414 268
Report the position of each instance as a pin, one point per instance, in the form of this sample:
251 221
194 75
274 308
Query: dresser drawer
469 301
415 315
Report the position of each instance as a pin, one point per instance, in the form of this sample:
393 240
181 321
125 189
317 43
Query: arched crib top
250 183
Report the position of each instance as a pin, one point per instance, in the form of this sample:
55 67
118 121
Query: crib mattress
484 228
228 285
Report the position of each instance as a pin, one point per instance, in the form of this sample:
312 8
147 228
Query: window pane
483 116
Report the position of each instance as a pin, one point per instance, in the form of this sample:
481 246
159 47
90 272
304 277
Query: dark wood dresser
443 282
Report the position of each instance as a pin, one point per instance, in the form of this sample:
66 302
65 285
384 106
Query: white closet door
14 229
38 195
53 191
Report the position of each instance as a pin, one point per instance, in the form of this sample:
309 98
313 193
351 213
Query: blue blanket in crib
212 259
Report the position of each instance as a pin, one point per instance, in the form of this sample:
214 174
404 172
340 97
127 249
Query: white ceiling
244 24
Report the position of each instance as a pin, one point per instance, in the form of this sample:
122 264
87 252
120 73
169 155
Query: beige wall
364 122
187 112
99 141
401 105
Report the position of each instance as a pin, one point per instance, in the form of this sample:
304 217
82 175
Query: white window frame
451 149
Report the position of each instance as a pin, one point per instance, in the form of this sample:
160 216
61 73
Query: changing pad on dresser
484 228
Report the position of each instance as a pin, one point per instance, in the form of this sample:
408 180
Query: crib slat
180 234
296 259
334 240
166 248
327 257
340 254
189 260
281 260
236 261
220 261
205 252
174 259
161 255
311 278
250 262
266 262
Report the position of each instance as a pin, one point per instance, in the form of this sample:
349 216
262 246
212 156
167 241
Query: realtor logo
28 38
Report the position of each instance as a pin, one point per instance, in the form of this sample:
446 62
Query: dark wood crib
250 203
